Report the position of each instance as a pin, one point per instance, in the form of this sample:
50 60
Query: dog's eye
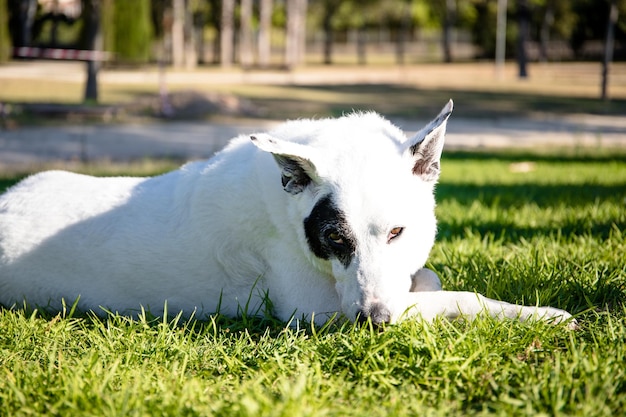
335 238
394 233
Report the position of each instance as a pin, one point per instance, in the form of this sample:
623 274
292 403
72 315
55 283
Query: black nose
376 313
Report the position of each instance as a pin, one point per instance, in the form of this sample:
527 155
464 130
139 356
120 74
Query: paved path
192 140
32 145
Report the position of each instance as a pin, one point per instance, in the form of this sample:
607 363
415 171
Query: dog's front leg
454 304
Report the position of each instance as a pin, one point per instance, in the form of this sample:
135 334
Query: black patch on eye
323 220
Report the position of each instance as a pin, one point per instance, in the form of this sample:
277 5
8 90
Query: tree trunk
302 31
501 38
178 33
227 33
89 39
330 7
246 56
199 24
215 21
28 9
448 24
291 43
296 32
191 55
544 34
361 42
265 33
523 16
608 49
403 34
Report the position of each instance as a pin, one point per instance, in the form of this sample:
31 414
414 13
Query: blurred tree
330 7
89 40
448 24
501 23
178 33
591 23
479 17
575 21
443 14
58 27
265 32
608 48
551 18
246 53
5 38
159 9
227 33
547 21
403 29
361 42
523 36
107 22
212 15
190 38
356 17
21 21
295 41
396 19
132 31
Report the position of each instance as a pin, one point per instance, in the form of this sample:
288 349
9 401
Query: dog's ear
297 170
426 146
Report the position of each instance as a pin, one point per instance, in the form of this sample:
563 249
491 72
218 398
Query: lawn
534 229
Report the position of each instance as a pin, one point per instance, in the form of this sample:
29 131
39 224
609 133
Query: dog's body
348 231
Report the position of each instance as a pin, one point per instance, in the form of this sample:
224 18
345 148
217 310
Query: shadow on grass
507 197
541 195
413 102
565 154
297 101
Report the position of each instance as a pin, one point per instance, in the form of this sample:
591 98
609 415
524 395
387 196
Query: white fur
222 233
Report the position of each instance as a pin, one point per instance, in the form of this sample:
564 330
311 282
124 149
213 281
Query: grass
551 235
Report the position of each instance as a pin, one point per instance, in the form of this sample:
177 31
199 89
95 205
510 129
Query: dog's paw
425 280
557 316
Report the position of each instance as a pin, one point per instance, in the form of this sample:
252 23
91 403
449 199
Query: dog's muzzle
377 313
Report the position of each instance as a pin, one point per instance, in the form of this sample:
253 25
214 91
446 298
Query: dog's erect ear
297 170
427 144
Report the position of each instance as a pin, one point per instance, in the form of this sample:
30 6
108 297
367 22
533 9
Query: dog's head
364 193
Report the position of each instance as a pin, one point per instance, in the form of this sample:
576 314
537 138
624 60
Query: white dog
348 231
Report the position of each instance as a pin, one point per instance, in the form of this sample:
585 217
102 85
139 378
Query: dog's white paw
425 280
557 316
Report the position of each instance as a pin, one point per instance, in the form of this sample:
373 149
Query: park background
516 69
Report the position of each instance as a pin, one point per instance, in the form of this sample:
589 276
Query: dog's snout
377 313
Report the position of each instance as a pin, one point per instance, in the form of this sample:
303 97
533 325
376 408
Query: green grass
554 235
